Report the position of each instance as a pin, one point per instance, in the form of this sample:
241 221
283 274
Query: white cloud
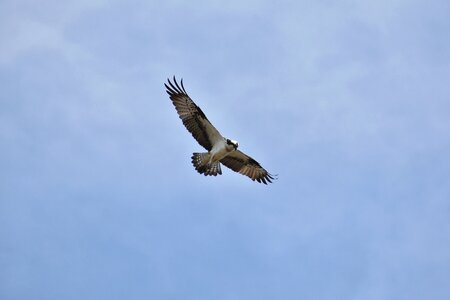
25 27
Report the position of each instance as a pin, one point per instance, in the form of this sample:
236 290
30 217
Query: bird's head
233 143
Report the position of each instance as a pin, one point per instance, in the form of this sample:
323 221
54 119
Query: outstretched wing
192 116
244 164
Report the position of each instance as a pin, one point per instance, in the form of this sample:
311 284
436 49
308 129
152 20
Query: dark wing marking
244 164
192 116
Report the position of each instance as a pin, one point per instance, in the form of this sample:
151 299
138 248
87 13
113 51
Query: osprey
220 149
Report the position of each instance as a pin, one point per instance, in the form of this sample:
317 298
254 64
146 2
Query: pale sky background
348 101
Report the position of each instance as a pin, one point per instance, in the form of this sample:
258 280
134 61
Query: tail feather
202 165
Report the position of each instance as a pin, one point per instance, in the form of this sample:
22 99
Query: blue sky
349 102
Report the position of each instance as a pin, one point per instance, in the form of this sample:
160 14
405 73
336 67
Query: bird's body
220 149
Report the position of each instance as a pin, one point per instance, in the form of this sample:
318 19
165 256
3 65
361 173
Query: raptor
221 150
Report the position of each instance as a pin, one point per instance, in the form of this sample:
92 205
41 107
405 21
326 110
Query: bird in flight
221 150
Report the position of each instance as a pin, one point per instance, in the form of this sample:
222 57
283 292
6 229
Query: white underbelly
219 151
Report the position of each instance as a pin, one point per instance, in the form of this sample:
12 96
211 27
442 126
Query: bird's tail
202 165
